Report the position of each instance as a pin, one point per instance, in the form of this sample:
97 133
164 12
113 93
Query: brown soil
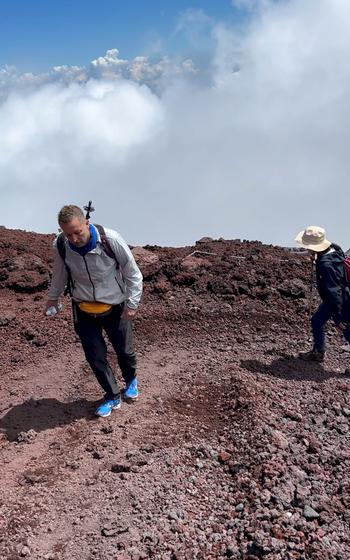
235 448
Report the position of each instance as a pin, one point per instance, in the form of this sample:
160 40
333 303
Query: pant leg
89 330
318 322
346 331
120 333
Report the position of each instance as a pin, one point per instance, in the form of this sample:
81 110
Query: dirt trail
58 484
235 448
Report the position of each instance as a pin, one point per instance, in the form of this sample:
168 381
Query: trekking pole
89 208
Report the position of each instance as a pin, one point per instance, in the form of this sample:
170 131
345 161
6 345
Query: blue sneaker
131 392
107 406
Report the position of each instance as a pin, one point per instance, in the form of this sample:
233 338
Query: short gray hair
68 212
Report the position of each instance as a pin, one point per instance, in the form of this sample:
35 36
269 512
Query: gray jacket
96 277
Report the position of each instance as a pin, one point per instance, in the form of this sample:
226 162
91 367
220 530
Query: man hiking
332 288
105 284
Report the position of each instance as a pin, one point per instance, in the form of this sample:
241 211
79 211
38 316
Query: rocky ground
235 448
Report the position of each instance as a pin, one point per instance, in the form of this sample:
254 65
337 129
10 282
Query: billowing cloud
99 120
257 150
108 67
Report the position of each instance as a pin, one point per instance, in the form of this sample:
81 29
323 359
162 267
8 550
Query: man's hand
50 303
128 313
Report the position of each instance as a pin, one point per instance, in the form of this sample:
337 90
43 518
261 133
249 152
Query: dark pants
318 322
119 331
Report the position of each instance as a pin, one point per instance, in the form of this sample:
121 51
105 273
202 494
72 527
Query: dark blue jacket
331 282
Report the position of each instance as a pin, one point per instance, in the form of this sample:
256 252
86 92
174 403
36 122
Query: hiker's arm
59 277
334 293
131 273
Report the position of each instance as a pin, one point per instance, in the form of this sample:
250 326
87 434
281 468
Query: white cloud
98 119
193 22
141 69
258 151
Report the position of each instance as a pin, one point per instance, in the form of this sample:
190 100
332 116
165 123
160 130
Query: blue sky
38 34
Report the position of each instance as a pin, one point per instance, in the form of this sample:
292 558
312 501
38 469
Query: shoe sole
125 398
110 412
103 415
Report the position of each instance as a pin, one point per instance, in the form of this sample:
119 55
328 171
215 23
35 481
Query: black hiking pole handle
89 208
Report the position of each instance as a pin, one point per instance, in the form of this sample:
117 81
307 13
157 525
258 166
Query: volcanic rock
148 261
250 441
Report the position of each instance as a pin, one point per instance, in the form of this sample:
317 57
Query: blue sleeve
333 292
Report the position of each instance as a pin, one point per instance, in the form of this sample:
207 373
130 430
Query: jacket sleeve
59 276
333 292
130 271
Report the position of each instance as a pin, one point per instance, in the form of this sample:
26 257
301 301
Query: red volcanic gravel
235 448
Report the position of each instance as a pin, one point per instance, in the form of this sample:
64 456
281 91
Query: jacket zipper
92 284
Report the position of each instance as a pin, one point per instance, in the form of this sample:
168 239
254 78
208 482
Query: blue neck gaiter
90 245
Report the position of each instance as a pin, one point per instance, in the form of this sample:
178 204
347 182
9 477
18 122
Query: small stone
107 429
72 464
148 448
293 415
98 454
147 537
223 456
119 468
114 531
280 440
309 513
6 319
314 444
16 359
39 341
27 437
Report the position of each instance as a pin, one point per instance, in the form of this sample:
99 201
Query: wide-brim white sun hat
313 238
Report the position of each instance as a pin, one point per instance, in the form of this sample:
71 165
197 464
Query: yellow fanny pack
95 307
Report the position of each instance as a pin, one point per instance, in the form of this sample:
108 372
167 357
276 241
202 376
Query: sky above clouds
182 120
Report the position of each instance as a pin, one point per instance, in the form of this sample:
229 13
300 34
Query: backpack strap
105 243
61 248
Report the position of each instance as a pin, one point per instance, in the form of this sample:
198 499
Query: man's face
77 232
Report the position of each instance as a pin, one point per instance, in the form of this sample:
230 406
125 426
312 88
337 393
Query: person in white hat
332 288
